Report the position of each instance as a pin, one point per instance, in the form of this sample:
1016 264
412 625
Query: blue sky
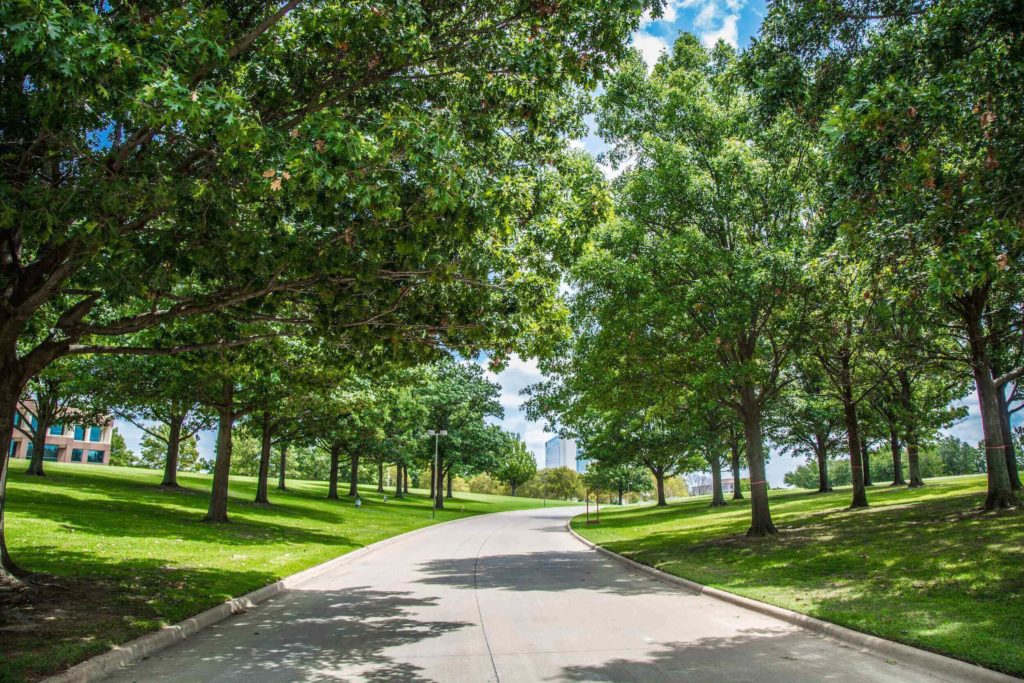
734 21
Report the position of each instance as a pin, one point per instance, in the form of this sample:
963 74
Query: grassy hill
925 566
122 557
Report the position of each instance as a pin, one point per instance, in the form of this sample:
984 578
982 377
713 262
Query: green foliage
120 454
959 457
245 453
559 483
618 478
516 464
153 451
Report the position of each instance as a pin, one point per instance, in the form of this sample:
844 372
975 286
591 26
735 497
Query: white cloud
727 31
650 47
519 374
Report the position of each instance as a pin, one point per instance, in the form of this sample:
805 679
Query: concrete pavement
505 597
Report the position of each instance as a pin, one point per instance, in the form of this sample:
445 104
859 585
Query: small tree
517 464
120 454
153 451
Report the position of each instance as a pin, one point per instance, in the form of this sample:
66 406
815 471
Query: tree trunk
10 390
218 511
1011 454
398 480
173 451
860 496
281 466
821 453
266 447
405 479
35 465
433 481
1000 493
439 489
449 494
353 475
513 485
865 462
659 480
910 426
717 495
380 476
760 514
332 483
621 491
897 457
737 489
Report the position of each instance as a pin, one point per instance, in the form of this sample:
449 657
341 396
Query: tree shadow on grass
306 635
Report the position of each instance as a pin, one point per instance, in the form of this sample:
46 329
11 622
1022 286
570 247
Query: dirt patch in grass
51 619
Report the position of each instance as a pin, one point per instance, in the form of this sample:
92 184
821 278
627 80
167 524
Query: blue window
79 433
14 449
30 450
76 455
95 433
51 452
95 456
57 430
17 419
35 424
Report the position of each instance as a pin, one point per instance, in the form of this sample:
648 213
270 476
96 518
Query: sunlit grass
925 567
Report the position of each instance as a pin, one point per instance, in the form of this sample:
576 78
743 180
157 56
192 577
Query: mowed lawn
924 567
124 557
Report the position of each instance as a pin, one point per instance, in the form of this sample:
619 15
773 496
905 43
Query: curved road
504 597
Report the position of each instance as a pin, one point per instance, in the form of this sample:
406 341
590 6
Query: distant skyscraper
559 452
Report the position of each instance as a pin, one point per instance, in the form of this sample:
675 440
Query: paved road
505 597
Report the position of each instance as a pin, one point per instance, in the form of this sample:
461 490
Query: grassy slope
135 557
924 567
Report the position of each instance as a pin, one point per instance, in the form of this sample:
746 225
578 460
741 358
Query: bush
560 483
485 483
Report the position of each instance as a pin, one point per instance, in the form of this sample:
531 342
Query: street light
436 433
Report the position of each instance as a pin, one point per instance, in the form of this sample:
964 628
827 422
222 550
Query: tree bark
174 424
717 495
266 447
405 479
281 467
398 480
821 453
35 465
659 480
218 511
860 496
10 390
380 476
439 489
332 484
449 486
737 489
897 457
910 427
1000 493
1011 454
760 514
621 491
433 481
353 475
865 462
513 485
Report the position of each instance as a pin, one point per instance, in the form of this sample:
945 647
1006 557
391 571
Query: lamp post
436 433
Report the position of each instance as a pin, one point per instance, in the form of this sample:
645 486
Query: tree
619 479
120 454
516 463
153 451
560 483
959 457
297 153
709 247
924 143
152 389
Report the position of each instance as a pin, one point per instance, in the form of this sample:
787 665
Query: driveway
505 597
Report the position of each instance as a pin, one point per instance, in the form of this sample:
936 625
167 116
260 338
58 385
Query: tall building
65 442
559 452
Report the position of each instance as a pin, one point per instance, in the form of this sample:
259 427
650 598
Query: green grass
129 557
924 567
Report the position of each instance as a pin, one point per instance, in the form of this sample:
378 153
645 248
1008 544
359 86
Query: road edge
879 647
122 656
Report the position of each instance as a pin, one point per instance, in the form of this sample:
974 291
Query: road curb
880 647
99 667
